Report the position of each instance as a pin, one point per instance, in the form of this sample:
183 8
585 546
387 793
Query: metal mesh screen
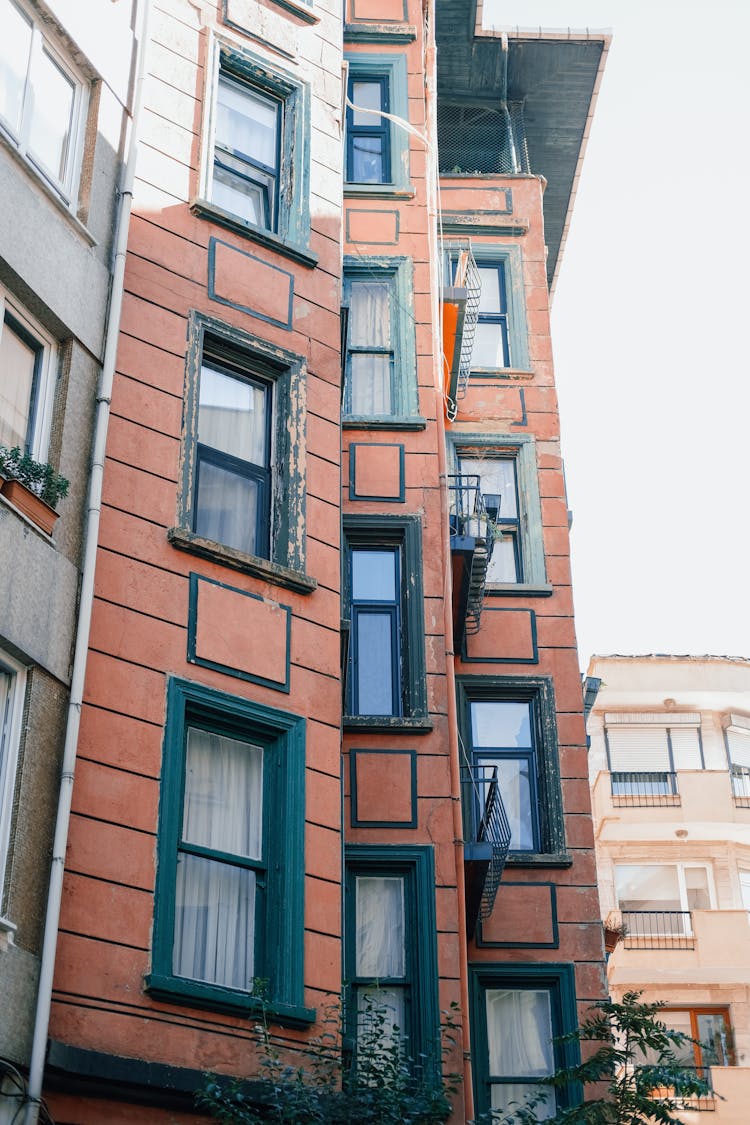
481 139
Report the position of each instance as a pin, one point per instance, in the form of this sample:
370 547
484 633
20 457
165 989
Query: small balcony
486 840
472 530
644 789
701 1102
741 786
658 929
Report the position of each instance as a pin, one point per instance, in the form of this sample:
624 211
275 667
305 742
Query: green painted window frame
290 235
280 945
417 864
404 532
286 372
522 447
511 260
393 69
538 691
559 981
399 271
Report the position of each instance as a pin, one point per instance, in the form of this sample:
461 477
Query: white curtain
370 327
380 940
215 901
519 1033
17 361
232 415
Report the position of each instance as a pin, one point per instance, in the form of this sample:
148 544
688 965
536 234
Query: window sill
197 994
393 724
295 580
379 33
512 374
54 197
377 191
519 590
383 422
539 859
207 210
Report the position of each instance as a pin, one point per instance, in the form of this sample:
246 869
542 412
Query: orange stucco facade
179 611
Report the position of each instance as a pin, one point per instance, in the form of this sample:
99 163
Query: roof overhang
556 74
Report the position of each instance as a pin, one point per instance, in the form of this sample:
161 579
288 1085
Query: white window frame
681 885
12 696
67 188
37 439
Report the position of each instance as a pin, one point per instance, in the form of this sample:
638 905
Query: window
380 372
509 724
656 899
382 582
737 735
501 339
517 1014
26 380
391 949
711 1029
42 100
229 895
368 150
644 757
377 148
243 489
509 482
12 692
256 167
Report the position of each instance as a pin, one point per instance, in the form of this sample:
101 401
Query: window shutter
739 746
686 748
638 749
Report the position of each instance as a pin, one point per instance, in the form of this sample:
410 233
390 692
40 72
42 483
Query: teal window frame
404 533
548 808
510 260
280 944
417 865
284 372
556 979
391 68
399 273
289 232
522 448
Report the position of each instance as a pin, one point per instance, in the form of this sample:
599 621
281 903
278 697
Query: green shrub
39 477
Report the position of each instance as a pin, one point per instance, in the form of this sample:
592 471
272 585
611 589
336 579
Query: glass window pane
500 724
696 885
654 887
375 671
498 478
246 122
489 299
381 948
515 790
52 115
374 576
519 1033
232 415
507 1096
15 48
713 1035
370 378
368 96
488 346
223 794
240 196
380 1012
503 564
17 364
226 508
214 923
370 314
367 160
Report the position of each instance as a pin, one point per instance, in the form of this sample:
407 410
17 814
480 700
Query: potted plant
31 486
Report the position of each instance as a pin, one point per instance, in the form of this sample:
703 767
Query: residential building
669 768
332 728
65 96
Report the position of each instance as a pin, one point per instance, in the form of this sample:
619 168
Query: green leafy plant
621 1086
39 477
380 1085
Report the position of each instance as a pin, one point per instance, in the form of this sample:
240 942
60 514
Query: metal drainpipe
101 424
434 207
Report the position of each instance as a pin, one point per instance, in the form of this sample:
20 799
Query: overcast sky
650 324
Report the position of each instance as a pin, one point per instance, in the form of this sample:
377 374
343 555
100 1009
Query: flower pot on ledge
29 503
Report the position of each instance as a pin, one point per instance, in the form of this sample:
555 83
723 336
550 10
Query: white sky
649 326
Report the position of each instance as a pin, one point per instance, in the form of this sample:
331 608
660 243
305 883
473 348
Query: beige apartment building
669 764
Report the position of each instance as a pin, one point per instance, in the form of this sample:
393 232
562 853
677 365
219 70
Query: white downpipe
93 512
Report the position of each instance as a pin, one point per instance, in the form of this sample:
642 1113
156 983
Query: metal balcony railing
658 929
685 1092
640 788
485 822
741 786
472 533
